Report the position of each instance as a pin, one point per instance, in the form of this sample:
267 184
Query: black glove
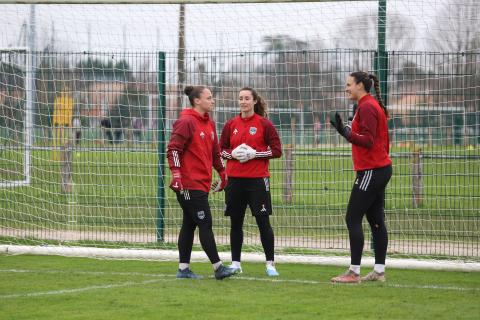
337 122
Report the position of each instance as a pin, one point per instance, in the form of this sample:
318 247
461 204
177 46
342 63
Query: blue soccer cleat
223 272
271 271
187 274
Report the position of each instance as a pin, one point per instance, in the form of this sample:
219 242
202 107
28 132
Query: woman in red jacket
248 141
370 153
192 151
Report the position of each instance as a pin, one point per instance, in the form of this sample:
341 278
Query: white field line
84 289
170 277
385 284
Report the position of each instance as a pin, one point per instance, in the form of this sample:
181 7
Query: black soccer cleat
223 272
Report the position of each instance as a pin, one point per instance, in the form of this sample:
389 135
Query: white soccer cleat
237 269
375 276
271 271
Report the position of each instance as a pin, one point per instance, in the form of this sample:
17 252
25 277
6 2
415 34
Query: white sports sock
236 264
379 268
216 265
270 263
355 269
183 266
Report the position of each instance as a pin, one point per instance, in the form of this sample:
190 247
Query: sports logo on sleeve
253 130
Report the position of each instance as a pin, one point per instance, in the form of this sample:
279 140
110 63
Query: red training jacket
369 136
193 148
260 134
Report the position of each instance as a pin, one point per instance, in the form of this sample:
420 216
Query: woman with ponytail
192 151
368 135
248 141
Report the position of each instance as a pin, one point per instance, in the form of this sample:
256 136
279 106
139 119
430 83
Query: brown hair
260 107
367 80
193 92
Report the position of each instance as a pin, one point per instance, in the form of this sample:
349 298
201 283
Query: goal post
17 66
126 64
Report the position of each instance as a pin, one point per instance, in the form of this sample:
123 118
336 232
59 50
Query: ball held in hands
250 152
244 153
239 153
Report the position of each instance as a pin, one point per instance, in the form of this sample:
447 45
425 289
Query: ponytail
376 86
193 92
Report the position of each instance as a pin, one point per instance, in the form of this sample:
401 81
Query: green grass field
49 287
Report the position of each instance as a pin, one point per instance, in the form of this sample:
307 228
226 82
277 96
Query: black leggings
207 240
196 212
368 198
266 236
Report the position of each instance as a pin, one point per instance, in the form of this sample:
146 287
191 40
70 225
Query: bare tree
458 36
302 78
458 27
283 54
362 34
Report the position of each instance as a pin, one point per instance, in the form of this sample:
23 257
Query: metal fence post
161 116
381 57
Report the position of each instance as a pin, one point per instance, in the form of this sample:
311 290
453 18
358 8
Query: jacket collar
365 97
247 119
191 112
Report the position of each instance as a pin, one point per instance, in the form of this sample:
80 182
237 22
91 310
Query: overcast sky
210 26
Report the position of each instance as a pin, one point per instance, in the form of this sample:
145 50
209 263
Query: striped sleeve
181 135
218 163
264 154
226 149
272 141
